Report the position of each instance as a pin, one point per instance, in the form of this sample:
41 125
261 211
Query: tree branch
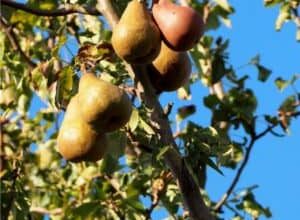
11 35
68 9
237 176
192 198
41 210
236 179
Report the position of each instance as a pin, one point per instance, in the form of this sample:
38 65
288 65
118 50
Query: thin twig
243 165
237 176
9 31
44 211
68 9
234 211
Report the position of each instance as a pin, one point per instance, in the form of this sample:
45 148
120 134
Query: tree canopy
154 160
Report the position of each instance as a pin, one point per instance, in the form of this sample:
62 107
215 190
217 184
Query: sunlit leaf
225 5
146 127
134 120
263 73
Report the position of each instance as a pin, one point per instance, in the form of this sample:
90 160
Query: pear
103 105
136 37
97 151
170 70
77 141
181 26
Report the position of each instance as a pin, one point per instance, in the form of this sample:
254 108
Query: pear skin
103 105
170 70
136 37
97 151
75 137
181 26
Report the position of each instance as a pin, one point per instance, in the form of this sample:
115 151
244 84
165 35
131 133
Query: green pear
103 105
136 38
170 70
77 141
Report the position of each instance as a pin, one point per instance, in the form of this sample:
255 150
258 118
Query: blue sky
275 163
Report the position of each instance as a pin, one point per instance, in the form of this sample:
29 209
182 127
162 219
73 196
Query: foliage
41 62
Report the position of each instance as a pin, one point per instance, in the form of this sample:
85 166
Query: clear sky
275 163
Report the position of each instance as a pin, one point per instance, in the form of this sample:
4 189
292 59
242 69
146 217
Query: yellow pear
97 150
77 141
170 70
136 38
103 105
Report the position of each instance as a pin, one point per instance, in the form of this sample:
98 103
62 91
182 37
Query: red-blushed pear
76 140
170 70
136 37
181 26
103 105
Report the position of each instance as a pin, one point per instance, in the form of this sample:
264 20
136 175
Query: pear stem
192 198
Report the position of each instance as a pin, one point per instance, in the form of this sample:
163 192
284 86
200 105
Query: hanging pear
170 70
103 105
181 26
136 37
77 141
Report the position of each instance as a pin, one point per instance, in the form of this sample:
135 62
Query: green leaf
23 104
237 218
162 151
226 22
218 69
134 120
86 210
2 48
281 83
116 143
184 93
213 165
212 22
211 101
61 41
109 164
270 3
283 16
288 105
271 119
147 128
252 207
65 85
24 18
263 73
225 5
185 111
136 204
